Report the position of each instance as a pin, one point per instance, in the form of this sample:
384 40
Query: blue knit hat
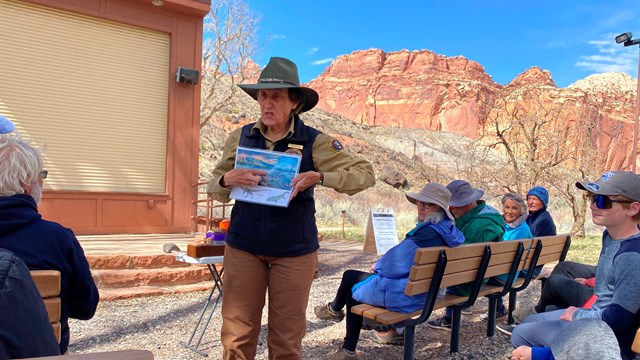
541 193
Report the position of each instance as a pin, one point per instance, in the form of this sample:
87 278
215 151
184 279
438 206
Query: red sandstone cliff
420 89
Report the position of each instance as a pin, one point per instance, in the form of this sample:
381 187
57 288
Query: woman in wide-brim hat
275 248
384 287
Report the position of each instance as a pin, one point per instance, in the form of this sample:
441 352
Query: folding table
211 303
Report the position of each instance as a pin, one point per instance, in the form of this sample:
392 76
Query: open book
274 188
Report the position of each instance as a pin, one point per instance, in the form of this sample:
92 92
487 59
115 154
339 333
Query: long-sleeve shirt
617 284
342 170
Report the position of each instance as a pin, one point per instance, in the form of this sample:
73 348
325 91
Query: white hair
20 166
434 217
516 198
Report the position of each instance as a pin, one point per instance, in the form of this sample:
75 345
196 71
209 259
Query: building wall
113 213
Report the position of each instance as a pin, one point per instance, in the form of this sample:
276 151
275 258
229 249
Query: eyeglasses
43 174
604 202
423 205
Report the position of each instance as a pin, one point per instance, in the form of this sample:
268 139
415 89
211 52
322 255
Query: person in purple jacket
41 244
384 286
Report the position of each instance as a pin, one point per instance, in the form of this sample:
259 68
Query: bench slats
54 308
48 283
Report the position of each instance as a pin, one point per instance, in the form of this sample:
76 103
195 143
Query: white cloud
610 57
313 50
321 62
277 36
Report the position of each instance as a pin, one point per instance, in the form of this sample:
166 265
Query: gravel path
160 323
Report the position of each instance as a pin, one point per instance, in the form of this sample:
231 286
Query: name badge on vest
294 149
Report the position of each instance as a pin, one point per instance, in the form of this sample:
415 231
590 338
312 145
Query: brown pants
246 280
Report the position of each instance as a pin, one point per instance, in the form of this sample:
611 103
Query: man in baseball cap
615 204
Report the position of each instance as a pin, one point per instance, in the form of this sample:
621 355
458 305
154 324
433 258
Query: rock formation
421 89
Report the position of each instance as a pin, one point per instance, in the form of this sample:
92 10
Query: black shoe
440 324
368 324
505 329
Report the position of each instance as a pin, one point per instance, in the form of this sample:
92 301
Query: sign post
381 233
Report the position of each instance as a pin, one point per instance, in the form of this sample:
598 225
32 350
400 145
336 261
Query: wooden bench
109 355
544 250
439 267
48 284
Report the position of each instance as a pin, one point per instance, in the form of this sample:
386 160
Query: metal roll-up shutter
92 93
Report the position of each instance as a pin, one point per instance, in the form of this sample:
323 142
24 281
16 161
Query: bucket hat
281 73
6 126
623 183
433 193
463 194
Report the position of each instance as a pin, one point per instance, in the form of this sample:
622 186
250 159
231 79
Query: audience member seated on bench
24 324
514 212
479 222
41 244
582 339
391 271
539 220
570 284
616 206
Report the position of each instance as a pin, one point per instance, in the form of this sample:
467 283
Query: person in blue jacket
41 244
385 285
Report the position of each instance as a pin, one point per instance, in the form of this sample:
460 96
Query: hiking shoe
324 312
505 329
340 354
440 324
390 337
519 314
368 324
499 314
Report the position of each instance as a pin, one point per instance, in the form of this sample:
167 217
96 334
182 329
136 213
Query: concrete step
128 276
144 291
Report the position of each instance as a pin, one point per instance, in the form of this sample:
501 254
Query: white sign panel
384 229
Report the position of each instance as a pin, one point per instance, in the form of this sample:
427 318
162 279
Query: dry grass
585 250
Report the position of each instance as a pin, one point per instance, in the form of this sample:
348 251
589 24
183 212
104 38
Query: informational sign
381 234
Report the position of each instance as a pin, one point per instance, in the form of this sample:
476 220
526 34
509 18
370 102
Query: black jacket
25 330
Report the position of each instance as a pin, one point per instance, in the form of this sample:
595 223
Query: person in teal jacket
514 212
479 222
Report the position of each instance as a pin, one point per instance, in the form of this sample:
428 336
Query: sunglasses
604 202
43 174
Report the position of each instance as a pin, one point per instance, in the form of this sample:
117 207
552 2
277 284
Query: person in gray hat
479 222
384 287
275 249
616 206
6 126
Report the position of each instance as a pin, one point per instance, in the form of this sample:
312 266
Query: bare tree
230 32
529 138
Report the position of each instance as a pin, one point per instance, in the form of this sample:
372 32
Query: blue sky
572 39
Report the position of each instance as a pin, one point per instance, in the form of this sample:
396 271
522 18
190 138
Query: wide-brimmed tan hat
281 73
433 193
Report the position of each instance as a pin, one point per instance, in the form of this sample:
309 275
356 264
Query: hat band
280 81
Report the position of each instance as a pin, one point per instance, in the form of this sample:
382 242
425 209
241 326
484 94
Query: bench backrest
48 284
462 263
